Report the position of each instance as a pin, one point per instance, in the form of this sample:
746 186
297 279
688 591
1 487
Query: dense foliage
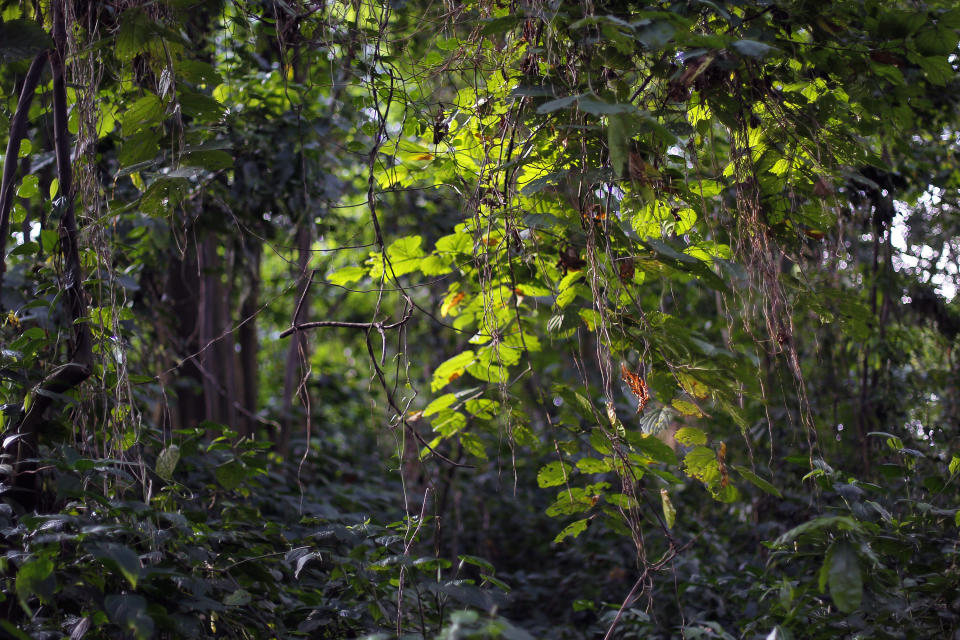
479 319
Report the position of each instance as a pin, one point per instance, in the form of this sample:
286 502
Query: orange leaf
451 304
722 465
637 386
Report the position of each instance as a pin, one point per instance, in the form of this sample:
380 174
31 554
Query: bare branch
379 326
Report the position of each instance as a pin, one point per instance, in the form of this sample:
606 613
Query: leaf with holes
554 474
572 530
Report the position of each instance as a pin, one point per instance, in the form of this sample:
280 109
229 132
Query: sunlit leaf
669 511
554 474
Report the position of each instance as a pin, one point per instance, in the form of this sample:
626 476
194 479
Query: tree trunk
249 343
297 355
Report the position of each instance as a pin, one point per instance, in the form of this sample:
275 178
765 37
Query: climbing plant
652 270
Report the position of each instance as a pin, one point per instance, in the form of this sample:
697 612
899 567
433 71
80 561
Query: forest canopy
597 319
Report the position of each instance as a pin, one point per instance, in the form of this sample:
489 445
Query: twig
667 557
379 326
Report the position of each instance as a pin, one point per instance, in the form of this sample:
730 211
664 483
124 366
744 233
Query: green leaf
449 423
592 465
701 463
435 266
500 25
600 442
477 562
140 147
13 631
238 598
686 408
198 72
570 501
488 372
823 576
757 481
163 195
456 243
556 105
669 511
817 529
135 33
35 578
622 500
167 462
200 107
482 408
346 275
230 474
572 530
752 48
472 445
618 139
553 474
938 70
652 447
210 160
405 255
690 436
654 34
120 558
600 108
439 403
569 294
937 41
844 578
145 112
129 611
18 214
29 187
22 39
25 249
452 369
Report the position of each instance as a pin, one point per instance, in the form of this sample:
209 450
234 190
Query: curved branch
18 131
379 326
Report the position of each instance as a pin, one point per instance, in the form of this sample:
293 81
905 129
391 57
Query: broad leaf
554 474
572 530
843 576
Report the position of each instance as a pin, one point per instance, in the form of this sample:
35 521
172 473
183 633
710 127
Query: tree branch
379 326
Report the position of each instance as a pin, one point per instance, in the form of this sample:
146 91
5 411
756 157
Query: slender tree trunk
183 292
249 342
208 307
18 131
225 351
72 374
297 355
